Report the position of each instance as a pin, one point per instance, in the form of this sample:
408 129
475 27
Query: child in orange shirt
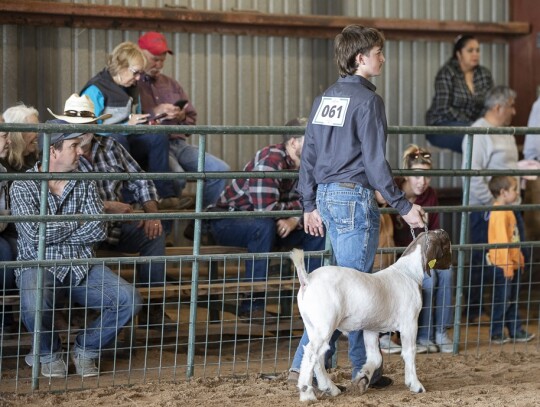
507 263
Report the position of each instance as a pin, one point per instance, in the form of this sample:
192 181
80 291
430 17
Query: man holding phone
160 95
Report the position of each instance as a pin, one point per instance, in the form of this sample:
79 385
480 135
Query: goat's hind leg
313 361
324 383
305 379
408 353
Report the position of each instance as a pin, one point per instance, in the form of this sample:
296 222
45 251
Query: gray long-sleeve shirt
345 141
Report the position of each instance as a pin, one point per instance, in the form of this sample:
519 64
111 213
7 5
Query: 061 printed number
331 111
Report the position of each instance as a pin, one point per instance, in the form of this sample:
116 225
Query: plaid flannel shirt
263 194
72 239
109 156
453 101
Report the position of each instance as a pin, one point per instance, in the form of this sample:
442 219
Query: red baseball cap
154 42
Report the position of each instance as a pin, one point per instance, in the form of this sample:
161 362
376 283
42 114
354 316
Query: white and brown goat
333 297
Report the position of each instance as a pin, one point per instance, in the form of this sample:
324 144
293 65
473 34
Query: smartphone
154 120
181 103
157 117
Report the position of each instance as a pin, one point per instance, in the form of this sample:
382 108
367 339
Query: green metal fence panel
206 282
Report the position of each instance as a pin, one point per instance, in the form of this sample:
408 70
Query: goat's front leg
408 353
373 362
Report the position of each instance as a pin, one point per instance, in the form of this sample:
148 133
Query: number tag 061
331 111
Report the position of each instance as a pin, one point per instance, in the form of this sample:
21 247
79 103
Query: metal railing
199 215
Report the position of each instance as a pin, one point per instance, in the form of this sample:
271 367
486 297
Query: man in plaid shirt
261 235
95 287
105 155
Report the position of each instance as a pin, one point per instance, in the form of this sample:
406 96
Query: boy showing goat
342 298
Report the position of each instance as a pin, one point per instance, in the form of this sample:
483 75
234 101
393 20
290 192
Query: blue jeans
505 303
478 233
351 217
151 151
450 141
438 286
7 281
133 239
101 290
187 158
259 235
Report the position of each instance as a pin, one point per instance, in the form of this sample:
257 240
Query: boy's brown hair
353 40
500 182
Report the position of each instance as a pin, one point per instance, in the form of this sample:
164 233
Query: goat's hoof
418 388
359 385
307 395
332 391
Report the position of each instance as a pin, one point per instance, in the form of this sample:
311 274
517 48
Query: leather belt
350 185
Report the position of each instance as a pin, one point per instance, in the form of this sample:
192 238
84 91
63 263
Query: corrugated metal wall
242 80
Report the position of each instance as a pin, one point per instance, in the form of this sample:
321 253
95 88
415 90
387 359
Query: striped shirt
263 194
72 239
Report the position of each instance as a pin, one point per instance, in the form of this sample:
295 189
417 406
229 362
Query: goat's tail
297 256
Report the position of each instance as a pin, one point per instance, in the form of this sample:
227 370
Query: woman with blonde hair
23 152
114 91
436 314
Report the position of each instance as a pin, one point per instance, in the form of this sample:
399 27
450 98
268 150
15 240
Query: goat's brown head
436 249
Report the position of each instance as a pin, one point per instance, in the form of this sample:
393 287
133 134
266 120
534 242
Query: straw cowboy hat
79 110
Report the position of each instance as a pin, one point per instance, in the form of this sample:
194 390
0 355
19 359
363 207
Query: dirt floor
495 378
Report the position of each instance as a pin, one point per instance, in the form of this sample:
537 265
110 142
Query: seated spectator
21 156
114 91
460 87
531 146
94 287
106 155
23 152
506 263
261 235
7 252
162 95
436 314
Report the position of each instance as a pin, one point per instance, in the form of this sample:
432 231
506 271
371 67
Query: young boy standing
506 262
343 163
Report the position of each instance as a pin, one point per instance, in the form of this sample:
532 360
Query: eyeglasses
79 113
416 155
135 72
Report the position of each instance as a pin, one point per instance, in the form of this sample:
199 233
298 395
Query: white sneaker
387 345
429 345
420 349
446 345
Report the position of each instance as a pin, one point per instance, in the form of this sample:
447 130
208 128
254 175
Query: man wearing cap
91 286
106 155
161 94
260 235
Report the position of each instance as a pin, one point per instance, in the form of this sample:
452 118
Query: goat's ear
444 249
